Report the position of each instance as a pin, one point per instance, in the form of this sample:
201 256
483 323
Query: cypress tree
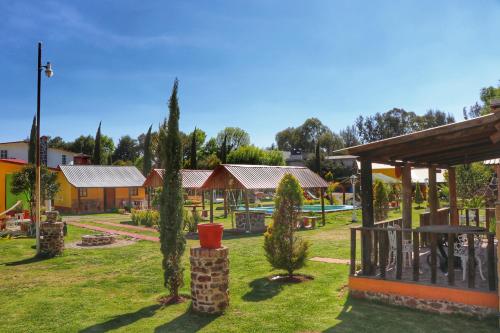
223 150
419 199
172 238
32 143
193 151
317 159
97 155
148 154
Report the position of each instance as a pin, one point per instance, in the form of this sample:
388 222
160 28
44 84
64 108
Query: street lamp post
48 73
353 185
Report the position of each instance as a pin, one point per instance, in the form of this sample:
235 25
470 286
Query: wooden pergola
441 147
260 177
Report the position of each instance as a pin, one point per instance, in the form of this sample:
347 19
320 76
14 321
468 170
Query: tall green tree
148 153
283 249
380 201
194 148
97 154
235 137
317 159
419 198
223 150
32 143
172 238
126 150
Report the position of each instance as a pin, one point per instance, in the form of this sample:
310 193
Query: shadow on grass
123 320
189 322
263 289
26 261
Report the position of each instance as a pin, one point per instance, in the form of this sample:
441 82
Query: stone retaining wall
51 239
209 279
438 306
257 221
97 240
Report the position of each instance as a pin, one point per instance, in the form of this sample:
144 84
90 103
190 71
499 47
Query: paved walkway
331 260
128 226
116 232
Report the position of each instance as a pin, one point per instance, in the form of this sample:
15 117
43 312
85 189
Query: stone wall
51 239
209 279
438 306
97 240
257 221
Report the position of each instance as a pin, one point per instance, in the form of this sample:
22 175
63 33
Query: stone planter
97 240
51 239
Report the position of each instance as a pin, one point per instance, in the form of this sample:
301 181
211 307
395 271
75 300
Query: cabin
443 263
99 188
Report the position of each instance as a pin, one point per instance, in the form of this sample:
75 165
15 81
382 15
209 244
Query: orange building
7 169
99 188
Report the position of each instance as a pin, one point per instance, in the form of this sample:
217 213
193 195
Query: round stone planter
97 240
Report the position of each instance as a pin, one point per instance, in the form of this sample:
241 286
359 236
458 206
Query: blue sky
260 65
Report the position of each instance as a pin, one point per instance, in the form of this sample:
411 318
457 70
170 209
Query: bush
146 218
381 201
418 195
191 221
283 249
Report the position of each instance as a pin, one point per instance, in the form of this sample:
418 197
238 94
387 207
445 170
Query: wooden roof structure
260 177
473 140
191 179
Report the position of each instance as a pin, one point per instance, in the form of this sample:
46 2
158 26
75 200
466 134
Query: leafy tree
223 150
419 199
107 148
210 147
487 95
97 154
255 156
472 179
82 144
148 154
126 150
32 143
283 249
349 136
235 137
57 142
23 182
209 162
172 238
306 135
194 148
380 201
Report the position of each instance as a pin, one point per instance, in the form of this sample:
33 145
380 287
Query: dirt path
116 232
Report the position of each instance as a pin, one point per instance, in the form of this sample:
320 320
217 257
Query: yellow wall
5 169
391 172
63 197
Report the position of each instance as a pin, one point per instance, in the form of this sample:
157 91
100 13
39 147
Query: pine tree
283 249
381 201
172 238
148 153
193 151
32 143
419 199
97 154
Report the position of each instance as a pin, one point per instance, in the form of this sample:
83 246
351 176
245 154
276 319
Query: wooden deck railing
378 240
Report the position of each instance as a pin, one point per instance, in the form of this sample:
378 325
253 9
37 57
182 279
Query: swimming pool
306 208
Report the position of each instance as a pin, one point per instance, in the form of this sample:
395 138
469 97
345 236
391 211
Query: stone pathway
116 232
331 260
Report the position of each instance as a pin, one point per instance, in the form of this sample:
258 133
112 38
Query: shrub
380 201
191 221
146 218
283 249
121 211
418 195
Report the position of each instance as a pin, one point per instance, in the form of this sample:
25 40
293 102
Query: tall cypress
317 159
172 238
193 151
148 154
97 155
223 150
32 143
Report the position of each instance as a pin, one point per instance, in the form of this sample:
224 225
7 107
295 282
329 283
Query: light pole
48 73
353 185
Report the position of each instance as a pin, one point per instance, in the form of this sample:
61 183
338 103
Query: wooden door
109 198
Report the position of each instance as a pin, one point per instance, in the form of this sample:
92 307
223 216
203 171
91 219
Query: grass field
116 289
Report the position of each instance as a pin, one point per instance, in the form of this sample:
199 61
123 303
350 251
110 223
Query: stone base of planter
51 239
97 240
209 279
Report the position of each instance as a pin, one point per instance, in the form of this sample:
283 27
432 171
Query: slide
309 196
11 208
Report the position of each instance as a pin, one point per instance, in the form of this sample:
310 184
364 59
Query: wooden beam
406 198
452 185
432 196
367 213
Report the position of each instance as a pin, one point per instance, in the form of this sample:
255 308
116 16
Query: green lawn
116 289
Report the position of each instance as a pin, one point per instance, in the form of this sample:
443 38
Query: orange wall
5 169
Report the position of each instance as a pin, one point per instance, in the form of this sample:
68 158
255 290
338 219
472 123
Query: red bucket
210 235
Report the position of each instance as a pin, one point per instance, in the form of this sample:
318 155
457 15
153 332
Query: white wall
19 150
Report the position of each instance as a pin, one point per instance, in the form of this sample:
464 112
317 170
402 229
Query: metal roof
494 161
102 176
254 177
191 179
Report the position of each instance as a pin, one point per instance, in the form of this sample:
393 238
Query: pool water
305 208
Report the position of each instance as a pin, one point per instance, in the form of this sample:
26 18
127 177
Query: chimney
495 105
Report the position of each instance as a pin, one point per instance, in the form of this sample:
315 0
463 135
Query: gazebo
441 147
260 177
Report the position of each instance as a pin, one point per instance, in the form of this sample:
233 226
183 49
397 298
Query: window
63 160
82 192
134 191
3 153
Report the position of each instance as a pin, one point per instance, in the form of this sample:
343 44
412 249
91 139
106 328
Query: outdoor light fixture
48 69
